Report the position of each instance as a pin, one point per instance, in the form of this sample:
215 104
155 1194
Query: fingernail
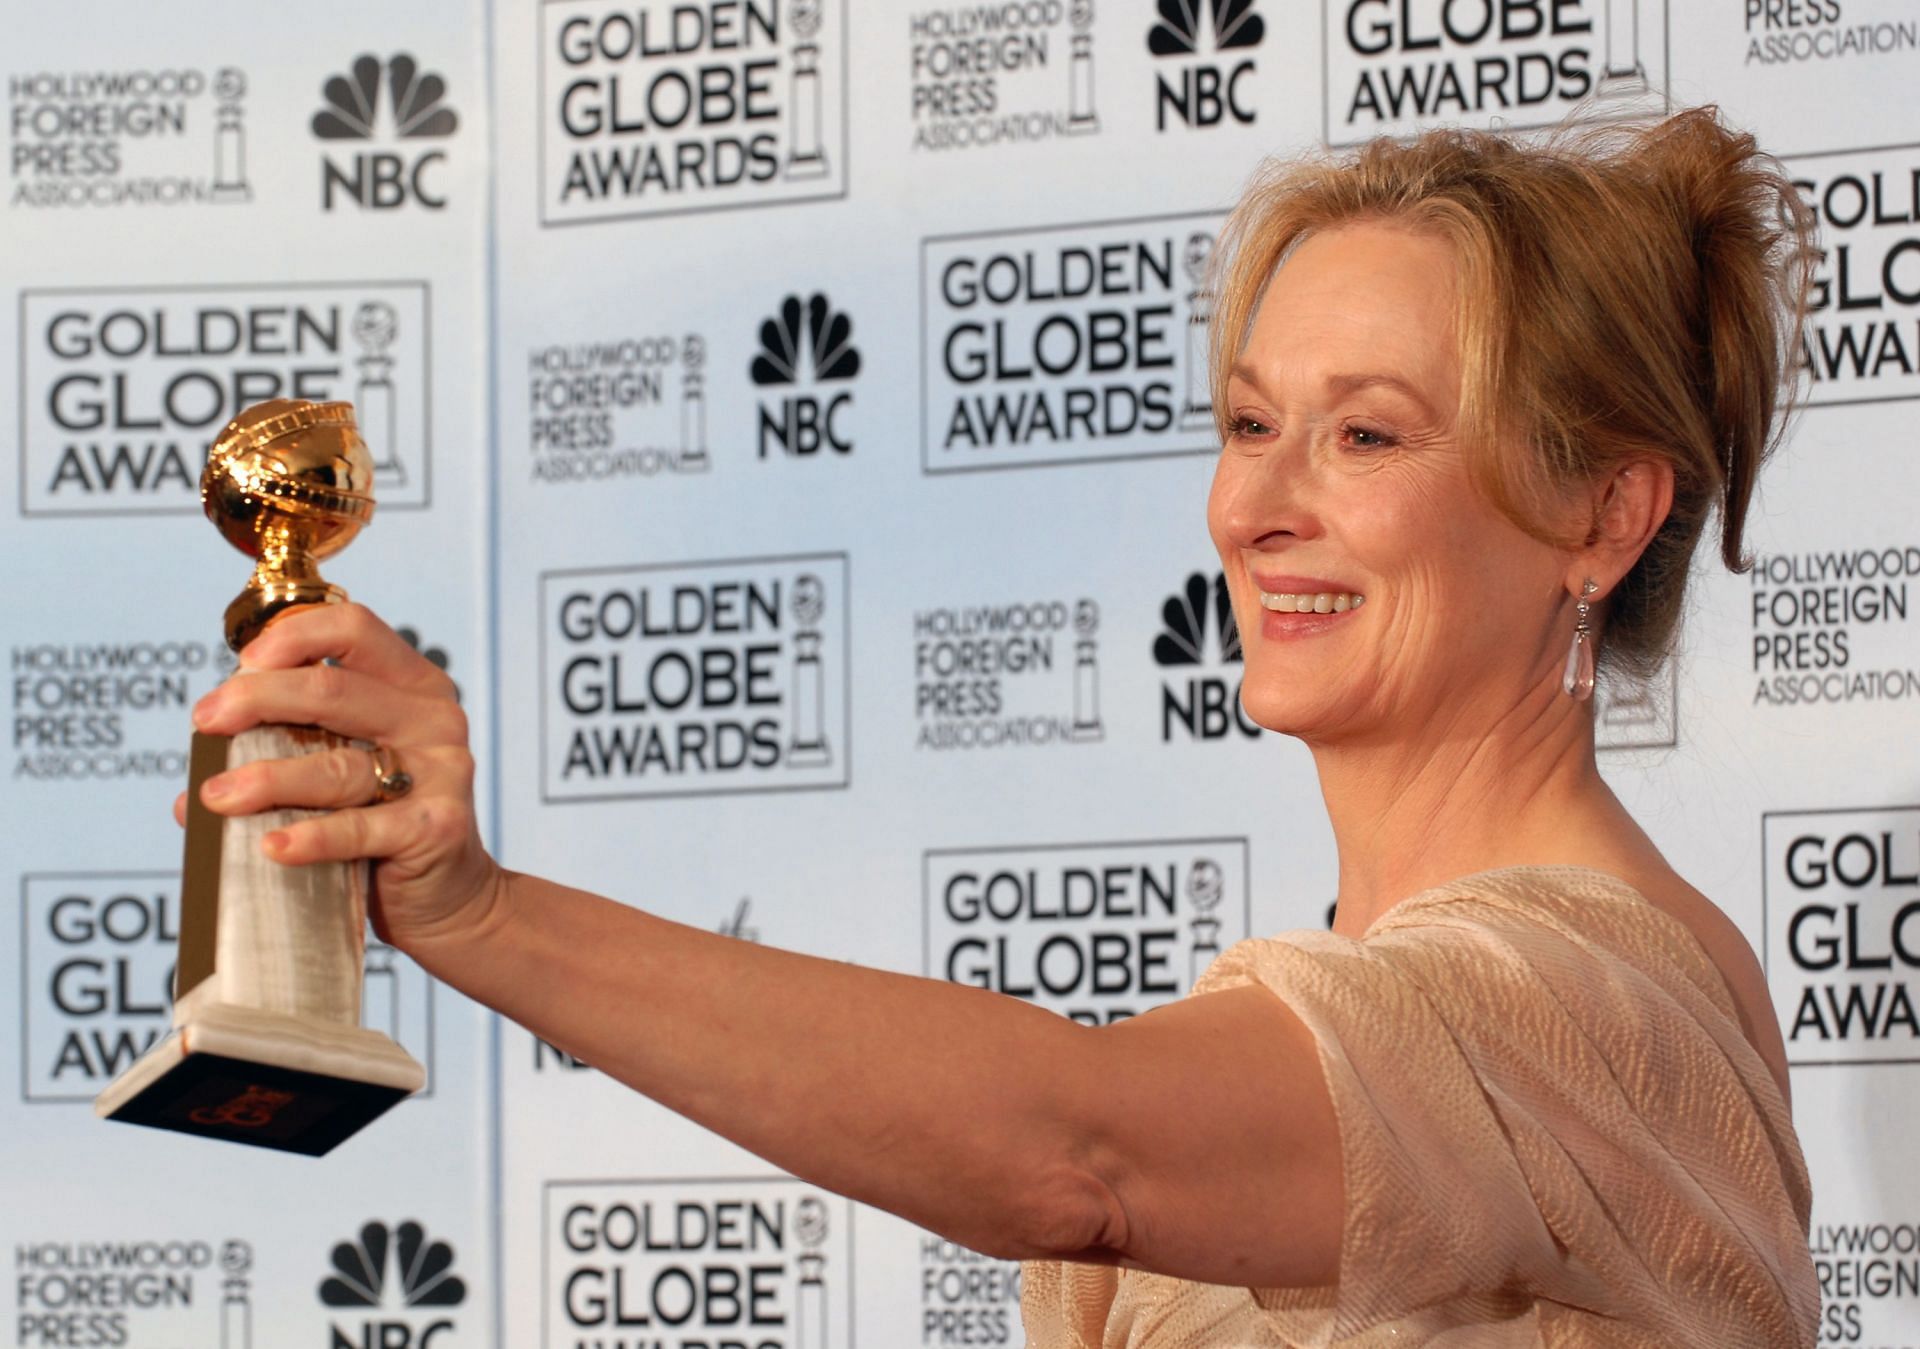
216 789
203 712
274 843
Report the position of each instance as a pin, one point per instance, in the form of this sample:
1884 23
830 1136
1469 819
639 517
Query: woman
1476 403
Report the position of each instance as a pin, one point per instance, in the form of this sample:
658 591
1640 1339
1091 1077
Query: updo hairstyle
1624 291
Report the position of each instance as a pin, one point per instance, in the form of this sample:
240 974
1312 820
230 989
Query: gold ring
390 780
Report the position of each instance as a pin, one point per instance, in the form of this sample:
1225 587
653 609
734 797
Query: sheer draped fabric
1553 1133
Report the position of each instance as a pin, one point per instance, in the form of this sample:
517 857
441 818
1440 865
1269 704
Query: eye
1363 437
1246 425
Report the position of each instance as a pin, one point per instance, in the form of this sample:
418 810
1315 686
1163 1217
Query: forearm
948 1105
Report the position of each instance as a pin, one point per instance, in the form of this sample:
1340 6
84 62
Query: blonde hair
1622 293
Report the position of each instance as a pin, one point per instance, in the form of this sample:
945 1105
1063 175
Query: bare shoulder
1726 945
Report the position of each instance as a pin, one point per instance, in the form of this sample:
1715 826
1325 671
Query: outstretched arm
1197 1140
1007 1128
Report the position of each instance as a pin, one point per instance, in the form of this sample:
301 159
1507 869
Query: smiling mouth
1321 602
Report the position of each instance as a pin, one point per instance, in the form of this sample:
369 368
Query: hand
432 876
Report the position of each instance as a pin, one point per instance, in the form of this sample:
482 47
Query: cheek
1420 512
1405 529
1464 579
1437 559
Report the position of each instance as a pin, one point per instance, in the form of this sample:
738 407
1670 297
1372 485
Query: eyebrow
1342 385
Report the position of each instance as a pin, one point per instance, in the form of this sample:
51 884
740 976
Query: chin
1273 709
1286 702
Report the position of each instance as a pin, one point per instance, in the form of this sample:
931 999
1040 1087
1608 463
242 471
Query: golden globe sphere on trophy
266 1046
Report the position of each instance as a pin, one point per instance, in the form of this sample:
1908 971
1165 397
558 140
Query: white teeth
1325 602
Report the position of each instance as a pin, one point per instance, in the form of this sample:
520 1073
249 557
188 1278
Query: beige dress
1553 1133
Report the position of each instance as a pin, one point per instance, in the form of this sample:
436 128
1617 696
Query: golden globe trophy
266 1046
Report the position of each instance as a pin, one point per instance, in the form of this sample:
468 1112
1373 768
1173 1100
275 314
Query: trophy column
266 1046
693 405
230 138
810 1315
1196 414
806 157
1081 117
1624 75
808 748
375 326
1205 888
1086 673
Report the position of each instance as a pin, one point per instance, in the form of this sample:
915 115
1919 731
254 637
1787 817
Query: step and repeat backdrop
793 437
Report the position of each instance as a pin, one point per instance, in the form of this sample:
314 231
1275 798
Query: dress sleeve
1532 1117
1437 1206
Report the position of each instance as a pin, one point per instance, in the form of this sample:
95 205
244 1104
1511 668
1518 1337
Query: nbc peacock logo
1199 640
402 1284
805 338
1184 25
805 343
416 100
1183 639
392 100
1212 41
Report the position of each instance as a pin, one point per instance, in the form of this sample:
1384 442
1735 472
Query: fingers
350 635
329 779
419 826
346 701
339 667
180 810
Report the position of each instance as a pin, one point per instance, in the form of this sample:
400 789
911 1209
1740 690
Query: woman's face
1341 491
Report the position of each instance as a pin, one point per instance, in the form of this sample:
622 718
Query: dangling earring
1577 682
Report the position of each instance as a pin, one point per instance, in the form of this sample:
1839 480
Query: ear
1629 505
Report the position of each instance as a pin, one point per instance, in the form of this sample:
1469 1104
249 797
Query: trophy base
1630 82
262 1078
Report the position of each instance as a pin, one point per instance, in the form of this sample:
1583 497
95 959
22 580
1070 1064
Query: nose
1263 500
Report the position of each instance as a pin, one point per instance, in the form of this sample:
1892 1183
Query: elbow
1066 1213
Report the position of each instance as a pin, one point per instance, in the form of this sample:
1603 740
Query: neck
1473 791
